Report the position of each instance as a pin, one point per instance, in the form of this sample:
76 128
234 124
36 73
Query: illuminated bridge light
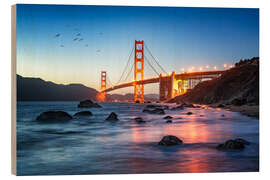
225 65
215 67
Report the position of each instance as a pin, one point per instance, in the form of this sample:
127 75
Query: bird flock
77 38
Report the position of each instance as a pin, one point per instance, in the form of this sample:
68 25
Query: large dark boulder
170 141
112 117
189 113
88 104
236 144
83 113
54 116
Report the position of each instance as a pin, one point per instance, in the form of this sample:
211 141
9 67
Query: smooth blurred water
95 146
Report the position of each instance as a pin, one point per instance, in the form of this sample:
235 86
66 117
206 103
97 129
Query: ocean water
95 146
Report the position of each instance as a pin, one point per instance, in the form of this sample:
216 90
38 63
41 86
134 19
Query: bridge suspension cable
129 59
151 65
109 83
129 72
162 69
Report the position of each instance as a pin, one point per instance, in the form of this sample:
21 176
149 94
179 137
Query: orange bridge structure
170 85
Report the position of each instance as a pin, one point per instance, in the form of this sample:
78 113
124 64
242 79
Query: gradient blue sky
178 37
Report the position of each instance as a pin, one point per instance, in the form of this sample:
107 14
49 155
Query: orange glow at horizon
101 96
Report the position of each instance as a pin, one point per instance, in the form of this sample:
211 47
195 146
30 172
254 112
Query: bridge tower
103 80
166 87
139 71
102 95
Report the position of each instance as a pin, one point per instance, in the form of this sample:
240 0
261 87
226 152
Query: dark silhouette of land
36 89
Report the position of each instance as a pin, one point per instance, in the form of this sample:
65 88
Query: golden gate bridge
170 85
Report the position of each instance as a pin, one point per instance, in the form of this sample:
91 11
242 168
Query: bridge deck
192 75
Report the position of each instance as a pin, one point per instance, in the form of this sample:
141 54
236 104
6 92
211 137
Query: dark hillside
36 89
237 86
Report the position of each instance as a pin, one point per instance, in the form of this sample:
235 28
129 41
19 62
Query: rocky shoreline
251 111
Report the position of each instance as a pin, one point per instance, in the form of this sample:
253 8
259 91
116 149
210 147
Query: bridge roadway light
225 66
200 68
215 67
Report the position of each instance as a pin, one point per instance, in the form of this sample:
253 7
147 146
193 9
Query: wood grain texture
13 91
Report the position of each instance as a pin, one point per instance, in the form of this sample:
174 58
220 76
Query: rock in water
180 107
153 106
242 141
112 117
189 113
54 116
236 144
88 104
168 117
154 111
221 106
170 141
139 120
83 113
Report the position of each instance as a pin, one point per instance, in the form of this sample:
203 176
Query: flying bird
78 34
57 35
101 33
61 45
98 50
81 39
86 45
75 39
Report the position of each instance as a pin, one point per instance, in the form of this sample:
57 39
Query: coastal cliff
235 89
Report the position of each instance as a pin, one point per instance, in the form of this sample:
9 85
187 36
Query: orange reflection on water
197 132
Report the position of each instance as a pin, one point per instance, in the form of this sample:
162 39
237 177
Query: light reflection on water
94 146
